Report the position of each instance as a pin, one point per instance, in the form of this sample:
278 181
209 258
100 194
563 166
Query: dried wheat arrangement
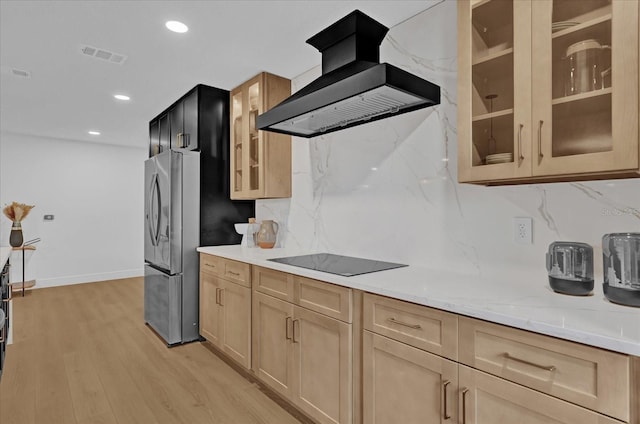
16 212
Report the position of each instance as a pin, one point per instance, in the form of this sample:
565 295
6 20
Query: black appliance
354 87
347 266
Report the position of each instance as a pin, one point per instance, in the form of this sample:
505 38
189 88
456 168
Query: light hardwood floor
82 354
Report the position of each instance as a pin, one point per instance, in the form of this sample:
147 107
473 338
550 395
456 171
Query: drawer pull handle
446 409
233 273
395 321
464 405
287 321
549 368
209 265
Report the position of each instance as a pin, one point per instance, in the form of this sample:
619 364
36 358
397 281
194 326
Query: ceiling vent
20 73
103 54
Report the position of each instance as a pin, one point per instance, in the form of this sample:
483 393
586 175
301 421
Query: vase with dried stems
16 212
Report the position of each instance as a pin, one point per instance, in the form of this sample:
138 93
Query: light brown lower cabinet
209 307
225 316
486 399
305 356
403 384
272 353
419 365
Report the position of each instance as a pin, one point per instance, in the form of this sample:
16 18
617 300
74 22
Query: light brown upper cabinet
260 160
547 90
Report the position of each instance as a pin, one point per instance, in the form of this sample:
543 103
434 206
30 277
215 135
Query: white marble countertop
5 253
591 320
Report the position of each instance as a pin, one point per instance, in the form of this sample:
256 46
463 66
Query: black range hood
354 88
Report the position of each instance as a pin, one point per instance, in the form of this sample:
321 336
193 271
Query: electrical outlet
522 230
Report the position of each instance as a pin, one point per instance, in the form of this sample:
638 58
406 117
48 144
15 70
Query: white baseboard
88 278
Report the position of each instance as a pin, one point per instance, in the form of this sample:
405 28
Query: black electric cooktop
346 266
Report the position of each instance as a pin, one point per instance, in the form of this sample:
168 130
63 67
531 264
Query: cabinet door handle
395 321
446 408
540 154
520 155
464 405
549 368
287 321
221 297
217 296
294 330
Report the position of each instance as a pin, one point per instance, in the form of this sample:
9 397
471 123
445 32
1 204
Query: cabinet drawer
274 283
588 376
235 271
210 264
488 399
425 328
325 298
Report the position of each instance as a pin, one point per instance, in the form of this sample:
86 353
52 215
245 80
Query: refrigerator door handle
154 197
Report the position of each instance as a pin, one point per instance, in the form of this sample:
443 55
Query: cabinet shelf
492 115
580 11
582 26
489 57
581 96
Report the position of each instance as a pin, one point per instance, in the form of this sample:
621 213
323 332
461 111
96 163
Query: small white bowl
242 227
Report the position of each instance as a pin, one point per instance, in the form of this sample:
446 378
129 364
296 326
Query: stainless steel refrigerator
172 221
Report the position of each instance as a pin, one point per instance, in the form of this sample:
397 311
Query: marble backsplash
388 189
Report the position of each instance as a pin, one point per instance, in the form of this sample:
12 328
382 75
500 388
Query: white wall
385 190
94 191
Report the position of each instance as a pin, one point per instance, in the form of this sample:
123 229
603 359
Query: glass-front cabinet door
237 168
260 161
247 153
585 79
255 136
494 66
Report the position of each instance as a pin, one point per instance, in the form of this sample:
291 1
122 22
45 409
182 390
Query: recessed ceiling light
121 97
94 132
176 26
